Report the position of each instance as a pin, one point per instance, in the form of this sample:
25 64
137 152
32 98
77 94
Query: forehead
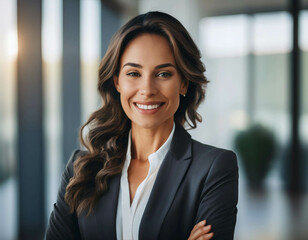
148 49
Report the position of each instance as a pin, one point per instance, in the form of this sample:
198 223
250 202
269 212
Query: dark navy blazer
195 182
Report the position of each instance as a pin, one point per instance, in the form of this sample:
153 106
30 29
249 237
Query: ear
116 82
184 87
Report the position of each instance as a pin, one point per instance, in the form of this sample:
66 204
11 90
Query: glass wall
90 55
8 119
224 46
237 51
90 34
247 61
272 35
52 77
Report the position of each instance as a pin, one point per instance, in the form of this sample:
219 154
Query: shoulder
213 156
204 156
74 156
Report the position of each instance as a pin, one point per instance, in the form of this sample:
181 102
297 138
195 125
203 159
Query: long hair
108 127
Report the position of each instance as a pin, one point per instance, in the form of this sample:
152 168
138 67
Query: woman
142 176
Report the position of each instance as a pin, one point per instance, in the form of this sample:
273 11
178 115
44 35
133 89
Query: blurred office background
256 55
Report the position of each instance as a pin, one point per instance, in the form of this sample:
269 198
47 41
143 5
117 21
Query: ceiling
212 7
227 7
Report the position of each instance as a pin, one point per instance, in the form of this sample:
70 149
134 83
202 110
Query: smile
148 107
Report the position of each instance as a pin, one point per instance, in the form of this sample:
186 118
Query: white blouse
129 216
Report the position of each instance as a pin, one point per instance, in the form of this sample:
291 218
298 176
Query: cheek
125 88
176 102
174 98
125 104
126 93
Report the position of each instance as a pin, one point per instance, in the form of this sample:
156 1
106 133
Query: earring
184 95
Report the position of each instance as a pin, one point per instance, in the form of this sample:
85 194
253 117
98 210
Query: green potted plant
256 148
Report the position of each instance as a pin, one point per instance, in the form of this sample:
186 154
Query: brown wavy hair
108 127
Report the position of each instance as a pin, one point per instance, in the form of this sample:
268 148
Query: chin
152 124
147 125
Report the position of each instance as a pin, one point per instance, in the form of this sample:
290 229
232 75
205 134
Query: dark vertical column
296 183
30 124
71 110
110 24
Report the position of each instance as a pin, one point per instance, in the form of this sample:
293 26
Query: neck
146 141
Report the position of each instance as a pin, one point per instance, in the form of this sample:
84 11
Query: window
8 119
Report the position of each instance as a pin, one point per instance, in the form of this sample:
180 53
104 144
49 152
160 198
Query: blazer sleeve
62 224
219 197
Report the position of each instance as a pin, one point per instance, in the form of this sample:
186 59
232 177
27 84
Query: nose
148 87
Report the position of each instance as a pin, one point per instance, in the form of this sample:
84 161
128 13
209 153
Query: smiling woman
142 176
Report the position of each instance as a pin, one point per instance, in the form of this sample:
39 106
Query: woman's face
149 82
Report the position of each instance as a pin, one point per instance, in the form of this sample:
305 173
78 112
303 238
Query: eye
164 74
133 74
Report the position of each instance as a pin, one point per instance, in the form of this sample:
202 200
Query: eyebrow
157 67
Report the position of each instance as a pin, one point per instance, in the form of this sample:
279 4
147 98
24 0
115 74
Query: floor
271 214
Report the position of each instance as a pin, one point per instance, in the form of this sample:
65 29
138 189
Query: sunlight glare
12 44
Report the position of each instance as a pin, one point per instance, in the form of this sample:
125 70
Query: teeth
146 107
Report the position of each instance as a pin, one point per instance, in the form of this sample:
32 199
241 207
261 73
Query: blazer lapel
168 179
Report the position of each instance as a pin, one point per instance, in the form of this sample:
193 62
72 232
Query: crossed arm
219 199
